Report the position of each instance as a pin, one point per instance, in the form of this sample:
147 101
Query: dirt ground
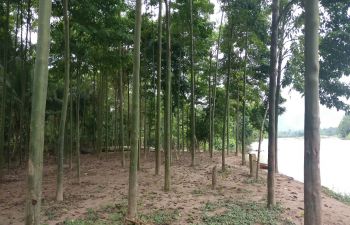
105 182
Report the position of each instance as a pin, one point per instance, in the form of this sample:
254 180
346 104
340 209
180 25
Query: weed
51 214
210 207
91 215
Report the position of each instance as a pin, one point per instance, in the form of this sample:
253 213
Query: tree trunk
77 104
178 128
272 103
261 133
129 124
4 90
70 131
214 87
106 115
134 137
121 116
2 124
312 181
140 125
210 107
145 108
228 94
37 123
99 116
183 128
167 114
227 130
159 77
116 142
193 122
278 94
62 129
22 105
243 98
224 130
237 123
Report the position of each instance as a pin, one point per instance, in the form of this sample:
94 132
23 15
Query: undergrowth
115 214
161 217
242 213
108 215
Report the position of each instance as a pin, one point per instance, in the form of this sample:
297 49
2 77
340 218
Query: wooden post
213 178
252 164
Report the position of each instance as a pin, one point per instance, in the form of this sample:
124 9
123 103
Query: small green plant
288 222
51 214
91 215
209 206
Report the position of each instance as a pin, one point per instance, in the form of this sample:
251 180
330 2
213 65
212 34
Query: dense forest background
137 77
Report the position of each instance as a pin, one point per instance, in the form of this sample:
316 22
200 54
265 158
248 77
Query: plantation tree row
129 76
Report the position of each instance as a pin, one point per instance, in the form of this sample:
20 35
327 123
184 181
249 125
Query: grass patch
107 215
340 197
114 214
252 180
197 192
162 216
50 214
229 212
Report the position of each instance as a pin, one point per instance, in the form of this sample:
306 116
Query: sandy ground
105 182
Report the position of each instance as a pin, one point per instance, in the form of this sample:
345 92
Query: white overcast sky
293 118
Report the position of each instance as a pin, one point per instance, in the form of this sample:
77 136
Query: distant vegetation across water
331 131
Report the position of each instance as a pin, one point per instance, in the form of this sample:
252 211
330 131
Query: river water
334 162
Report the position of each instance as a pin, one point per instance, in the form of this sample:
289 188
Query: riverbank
102 195
334 164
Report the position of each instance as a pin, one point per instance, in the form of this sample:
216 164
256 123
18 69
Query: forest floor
101 197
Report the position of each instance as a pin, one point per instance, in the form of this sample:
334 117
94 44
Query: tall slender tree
212 144
312 180
227 101
59 189
278 83
4 88
167 113
121 116
261 133
237 123
159 79
70 130
210 104
77 109
272 102
193 120
244 98
37 123
135 117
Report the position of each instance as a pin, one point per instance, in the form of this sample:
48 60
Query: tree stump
252 165
213 178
